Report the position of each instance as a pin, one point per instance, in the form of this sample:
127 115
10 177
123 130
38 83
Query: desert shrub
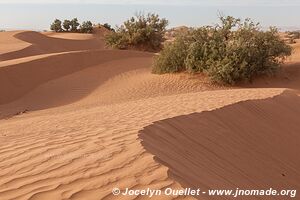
116 40
142 32
294 34
56 26
172 58
231 51
67 25
86 27
108 27
201 49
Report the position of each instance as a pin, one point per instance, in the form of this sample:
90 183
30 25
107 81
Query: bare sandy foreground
77 120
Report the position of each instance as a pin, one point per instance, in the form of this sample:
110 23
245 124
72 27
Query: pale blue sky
38 14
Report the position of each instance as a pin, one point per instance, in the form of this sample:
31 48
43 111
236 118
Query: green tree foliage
231 51
56 26
142 31
67 25
117 40
86 27
108 27
74 25
172 57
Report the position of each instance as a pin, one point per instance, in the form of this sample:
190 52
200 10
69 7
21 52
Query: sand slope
78 152
70 36
50 68
9 43
248 145
42 44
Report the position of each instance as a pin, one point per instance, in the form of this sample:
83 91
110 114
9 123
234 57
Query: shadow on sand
247 145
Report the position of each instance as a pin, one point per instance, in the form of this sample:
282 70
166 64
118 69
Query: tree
86 27
74 25
67 25
141 31
56 26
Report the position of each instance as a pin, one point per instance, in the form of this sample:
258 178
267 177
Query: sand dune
76 152
72 77
53 67
8 43
42 44
251 145
71 112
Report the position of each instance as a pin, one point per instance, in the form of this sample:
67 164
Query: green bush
231 51
172 58
116 40
86 27
142 31
56 26
294 34
108 27
74 25
67 25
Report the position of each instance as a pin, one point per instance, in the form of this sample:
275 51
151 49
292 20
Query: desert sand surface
9 43
233 146
69 36
42 44
78 119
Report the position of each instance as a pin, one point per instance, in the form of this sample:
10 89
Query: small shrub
86 27
108 27
56 26
228 52
142 31
294 34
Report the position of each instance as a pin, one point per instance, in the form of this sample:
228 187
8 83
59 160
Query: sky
38 14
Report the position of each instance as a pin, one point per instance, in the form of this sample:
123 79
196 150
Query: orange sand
71 111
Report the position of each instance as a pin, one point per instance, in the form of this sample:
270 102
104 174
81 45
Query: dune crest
53 67
8 43
43 44
247 145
